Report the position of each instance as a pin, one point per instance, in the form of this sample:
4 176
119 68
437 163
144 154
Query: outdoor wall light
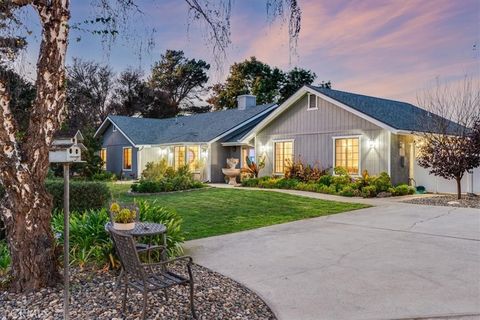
371 143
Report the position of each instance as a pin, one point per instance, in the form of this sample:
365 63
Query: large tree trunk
26 206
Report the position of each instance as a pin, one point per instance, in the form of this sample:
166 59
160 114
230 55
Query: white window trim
310 95
334 139
123 159
273 149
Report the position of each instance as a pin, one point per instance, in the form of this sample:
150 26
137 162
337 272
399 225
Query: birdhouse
66 147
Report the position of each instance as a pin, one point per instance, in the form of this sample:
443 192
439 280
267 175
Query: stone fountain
231 172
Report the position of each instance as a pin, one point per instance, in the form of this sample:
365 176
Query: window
103 156
193 155
312 102
179 156
127 158
347 153
283 154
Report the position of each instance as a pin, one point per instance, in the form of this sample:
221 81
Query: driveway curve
392 261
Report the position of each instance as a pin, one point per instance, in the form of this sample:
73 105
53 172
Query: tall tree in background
450 145
255 77
26 206
89 87
131 93
294 80
179 78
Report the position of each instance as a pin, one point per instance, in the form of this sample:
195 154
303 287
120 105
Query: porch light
371 143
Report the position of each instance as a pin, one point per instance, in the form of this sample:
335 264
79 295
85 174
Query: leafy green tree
294 80
179 78
269 84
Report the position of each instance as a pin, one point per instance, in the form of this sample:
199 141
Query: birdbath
231 172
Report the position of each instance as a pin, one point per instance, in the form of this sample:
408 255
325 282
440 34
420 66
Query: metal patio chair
148 277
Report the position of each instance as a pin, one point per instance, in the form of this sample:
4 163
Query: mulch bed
448 201
94 297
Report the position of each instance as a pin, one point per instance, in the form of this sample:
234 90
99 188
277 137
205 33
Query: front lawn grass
215 211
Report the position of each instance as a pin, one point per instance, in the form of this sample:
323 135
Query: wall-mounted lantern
66 148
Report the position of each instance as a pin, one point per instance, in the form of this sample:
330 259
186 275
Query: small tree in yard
451 144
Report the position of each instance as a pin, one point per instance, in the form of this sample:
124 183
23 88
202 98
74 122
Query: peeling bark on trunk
26 207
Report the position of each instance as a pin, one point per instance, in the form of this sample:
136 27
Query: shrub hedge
341 184
84 195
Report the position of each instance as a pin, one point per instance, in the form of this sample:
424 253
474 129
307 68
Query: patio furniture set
147 276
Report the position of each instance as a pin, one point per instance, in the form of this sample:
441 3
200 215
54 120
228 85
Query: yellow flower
115 207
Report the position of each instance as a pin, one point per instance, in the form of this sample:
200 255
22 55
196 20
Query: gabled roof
205 127
396 114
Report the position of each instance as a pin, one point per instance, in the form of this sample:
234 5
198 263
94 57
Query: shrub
325 180
89 242
4 257
369 191
268 183
382 182
306 186
326 189
84 195
297 170
158 177
152 211
251 182
348 191
104 176
341 178
403 189
155 171
286 183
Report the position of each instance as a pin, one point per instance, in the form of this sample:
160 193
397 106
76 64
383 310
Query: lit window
193 158
179 154
347 153
312 101
103 156
283 154
127 158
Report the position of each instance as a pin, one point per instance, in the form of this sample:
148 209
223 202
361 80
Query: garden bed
94 297
448 201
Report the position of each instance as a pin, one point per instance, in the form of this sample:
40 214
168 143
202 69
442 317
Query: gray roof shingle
196 128
396 114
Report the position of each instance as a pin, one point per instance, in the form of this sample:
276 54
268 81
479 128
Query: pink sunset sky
389 48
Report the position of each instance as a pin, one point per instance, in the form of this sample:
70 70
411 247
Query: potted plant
123 218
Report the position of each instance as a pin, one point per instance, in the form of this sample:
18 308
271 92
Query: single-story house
322 127
202 141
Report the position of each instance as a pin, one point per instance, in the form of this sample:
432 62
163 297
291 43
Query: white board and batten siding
313 132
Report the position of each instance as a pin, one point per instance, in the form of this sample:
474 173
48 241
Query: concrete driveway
394 261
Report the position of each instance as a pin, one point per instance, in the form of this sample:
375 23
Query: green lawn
210 212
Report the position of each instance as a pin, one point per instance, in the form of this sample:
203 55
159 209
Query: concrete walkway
392 261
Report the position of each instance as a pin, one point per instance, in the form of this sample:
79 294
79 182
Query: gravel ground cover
448 201
94 297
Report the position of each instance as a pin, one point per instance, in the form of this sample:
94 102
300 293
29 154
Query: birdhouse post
66 148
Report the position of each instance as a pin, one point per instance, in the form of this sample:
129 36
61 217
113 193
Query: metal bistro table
145 229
